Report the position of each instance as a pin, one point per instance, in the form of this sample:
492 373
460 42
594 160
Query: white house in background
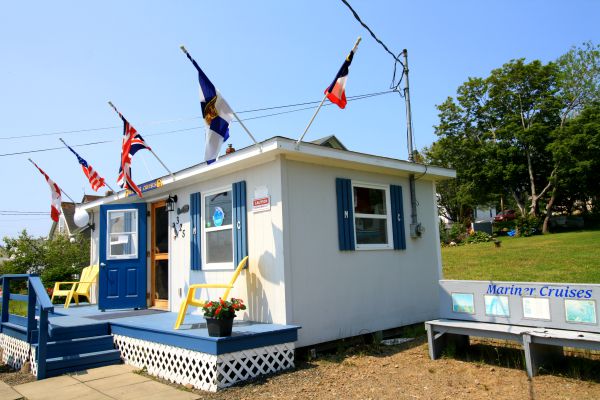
326 231
484 213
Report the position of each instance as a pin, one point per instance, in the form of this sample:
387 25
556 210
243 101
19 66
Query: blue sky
62 61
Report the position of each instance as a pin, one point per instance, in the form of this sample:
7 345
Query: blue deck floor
156 326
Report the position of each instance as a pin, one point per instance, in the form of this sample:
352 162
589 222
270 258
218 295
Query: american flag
95 180
56 195
132 142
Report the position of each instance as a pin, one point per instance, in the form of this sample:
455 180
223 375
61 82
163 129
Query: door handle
102 265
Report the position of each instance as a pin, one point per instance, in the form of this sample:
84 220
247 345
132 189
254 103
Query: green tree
511 133
496 132
54 260
578 88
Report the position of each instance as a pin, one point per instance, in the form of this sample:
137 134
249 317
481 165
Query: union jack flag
95 180
132 142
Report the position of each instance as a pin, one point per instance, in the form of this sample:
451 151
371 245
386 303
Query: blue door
122 279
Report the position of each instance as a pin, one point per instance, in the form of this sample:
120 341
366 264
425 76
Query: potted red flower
220 314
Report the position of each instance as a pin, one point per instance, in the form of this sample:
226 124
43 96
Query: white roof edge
362 158
281 145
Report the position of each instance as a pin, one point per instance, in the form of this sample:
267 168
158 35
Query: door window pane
161 226
161 279
122 233
218 210
371 231
219 248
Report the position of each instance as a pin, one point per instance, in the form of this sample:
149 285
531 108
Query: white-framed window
372 216
122 232
217 222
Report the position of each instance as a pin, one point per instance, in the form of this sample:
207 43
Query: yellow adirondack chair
191 299
89 275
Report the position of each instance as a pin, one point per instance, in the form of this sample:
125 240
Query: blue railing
36 295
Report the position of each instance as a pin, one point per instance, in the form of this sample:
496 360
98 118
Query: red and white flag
336 92
56 195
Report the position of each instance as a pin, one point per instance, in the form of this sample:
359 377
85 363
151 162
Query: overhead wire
351 98
395 84
104 128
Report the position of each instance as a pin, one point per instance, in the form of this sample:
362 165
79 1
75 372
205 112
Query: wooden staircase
70 348
61 344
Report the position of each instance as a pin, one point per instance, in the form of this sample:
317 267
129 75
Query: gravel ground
12 377
406 372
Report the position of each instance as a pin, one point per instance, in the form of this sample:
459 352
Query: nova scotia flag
217 115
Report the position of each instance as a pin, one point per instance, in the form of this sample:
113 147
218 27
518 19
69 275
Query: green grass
572 257
17 307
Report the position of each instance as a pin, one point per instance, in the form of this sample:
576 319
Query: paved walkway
115 382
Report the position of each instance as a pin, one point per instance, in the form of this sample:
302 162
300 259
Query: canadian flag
56 195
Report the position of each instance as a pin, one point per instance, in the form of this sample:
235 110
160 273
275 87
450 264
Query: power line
394 85
25 213
68 132
351 98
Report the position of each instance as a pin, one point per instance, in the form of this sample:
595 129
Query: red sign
261 204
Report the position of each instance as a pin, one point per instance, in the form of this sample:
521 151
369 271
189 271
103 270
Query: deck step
78 362
78 346
14 330
59 333
62 371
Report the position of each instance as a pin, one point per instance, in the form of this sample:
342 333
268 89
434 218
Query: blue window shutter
240 228
345 213
195 232
398 217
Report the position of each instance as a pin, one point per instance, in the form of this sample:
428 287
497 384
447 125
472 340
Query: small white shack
327 232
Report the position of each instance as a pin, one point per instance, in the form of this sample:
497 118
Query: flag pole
311 121
151 151
322 101
106 183
61 190
182 47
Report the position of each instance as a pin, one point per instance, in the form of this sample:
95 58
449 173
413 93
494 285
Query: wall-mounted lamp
82 219
170 204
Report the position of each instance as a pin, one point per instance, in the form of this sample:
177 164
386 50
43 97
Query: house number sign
178 229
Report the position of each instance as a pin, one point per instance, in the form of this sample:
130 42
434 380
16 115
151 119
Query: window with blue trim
218 229
372 216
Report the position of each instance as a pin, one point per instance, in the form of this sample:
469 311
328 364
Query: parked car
506 215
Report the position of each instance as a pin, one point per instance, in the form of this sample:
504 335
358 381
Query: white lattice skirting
15 352
201 370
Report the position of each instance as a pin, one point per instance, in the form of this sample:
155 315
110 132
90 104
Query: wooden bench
542 339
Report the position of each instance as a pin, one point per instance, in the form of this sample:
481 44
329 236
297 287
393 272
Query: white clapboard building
327 232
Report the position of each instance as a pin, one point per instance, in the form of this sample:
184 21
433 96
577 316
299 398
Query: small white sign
261 204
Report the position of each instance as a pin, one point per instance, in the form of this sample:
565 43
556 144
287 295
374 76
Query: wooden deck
157 326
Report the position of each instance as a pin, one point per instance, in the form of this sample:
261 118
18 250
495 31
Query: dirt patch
407 372
13 377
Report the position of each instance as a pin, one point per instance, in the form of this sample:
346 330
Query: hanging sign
146 187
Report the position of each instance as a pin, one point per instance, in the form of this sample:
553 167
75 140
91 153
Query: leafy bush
528 225
500 228
457 233
479 237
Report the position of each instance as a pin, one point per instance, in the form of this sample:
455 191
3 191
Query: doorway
159 259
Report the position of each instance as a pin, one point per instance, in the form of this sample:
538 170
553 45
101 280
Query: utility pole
416 229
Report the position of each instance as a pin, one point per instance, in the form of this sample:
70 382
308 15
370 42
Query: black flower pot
219 327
